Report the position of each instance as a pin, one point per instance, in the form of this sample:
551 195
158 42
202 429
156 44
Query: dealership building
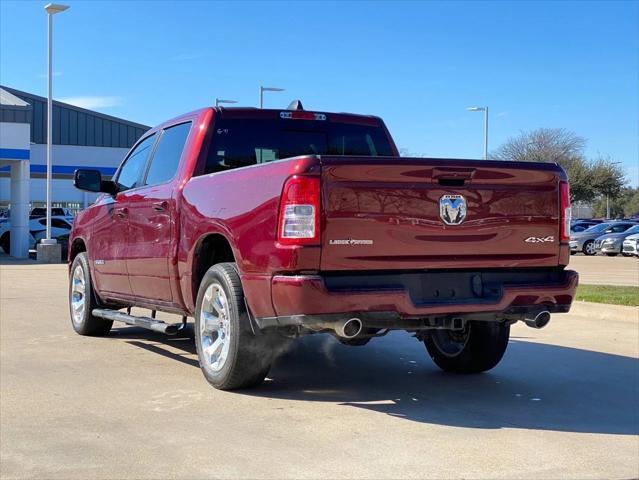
81 139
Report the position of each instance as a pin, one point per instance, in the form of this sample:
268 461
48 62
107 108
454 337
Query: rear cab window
240 142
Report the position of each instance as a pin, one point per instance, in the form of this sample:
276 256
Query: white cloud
91 102
502 114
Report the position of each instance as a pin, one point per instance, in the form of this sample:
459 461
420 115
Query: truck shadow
537 386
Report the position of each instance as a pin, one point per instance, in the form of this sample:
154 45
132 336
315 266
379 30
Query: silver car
611 242
585 241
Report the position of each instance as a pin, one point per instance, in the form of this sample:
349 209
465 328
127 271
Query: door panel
109 240
151 210
152 231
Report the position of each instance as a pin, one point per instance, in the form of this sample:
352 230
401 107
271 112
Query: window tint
620 228
58 223
241 142
167 154
598 228
132 168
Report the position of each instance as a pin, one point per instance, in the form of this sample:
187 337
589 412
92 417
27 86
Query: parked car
55 212
37 231
582 225
631 245
585 241
611 243
267 224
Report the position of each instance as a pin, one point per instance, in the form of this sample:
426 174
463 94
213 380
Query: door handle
121 212
160 206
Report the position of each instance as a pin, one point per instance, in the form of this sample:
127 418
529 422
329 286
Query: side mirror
91 180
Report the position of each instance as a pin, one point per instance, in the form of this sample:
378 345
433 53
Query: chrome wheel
451 342
589 248
215 327
78 289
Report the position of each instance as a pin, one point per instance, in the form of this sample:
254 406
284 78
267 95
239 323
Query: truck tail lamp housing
566 211
299 222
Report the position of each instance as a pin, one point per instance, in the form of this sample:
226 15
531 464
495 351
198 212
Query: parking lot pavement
563 403
603 270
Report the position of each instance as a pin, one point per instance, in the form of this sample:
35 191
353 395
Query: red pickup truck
267 224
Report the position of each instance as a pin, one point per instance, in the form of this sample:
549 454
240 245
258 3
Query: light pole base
49 253
49 241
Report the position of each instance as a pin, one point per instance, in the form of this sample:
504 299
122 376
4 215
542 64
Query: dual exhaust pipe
539 320
347 328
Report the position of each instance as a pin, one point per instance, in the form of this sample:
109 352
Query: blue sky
418 65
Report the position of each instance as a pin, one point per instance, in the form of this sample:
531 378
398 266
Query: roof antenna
295 105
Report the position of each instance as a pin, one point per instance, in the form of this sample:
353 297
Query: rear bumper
399 297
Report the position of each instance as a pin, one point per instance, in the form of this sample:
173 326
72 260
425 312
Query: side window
58 223
167 154
132 168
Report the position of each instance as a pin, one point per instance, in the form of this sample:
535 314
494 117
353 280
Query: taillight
566 212
299 222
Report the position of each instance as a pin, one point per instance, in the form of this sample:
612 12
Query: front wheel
589 248
612 254
477 348
231 356
82 300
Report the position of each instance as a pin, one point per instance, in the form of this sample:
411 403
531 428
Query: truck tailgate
384 214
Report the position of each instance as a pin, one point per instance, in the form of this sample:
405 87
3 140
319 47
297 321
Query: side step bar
144 322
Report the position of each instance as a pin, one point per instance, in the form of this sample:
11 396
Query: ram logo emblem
452 209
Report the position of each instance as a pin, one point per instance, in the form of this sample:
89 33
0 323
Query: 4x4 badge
452 209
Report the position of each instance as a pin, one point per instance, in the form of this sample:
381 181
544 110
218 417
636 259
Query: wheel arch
77 246
210 249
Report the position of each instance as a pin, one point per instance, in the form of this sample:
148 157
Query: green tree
631 203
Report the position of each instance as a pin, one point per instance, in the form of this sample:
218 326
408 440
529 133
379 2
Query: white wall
79 156
62 188
15 135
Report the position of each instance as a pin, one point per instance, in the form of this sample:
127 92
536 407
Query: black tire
85 323
587 250
249 356
478 348
612 254
5 243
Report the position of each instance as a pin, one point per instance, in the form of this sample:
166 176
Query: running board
144 322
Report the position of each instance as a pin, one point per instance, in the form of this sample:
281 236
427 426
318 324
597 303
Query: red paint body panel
395 204
307 295
148 256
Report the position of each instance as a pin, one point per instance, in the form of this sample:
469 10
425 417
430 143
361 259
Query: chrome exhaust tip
348 328
539 321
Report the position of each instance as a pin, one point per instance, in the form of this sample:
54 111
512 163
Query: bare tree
588 180
542 145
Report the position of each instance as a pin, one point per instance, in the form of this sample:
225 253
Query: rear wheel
589 248
231 356
612 254
477 348
82 300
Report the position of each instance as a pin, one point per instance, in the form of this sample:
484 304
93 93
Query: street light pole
220 100
485 110
51 10
267 89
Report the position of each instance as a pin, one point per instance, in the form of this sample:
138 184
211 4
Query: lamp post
485 110
220 100
267 89
51 10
